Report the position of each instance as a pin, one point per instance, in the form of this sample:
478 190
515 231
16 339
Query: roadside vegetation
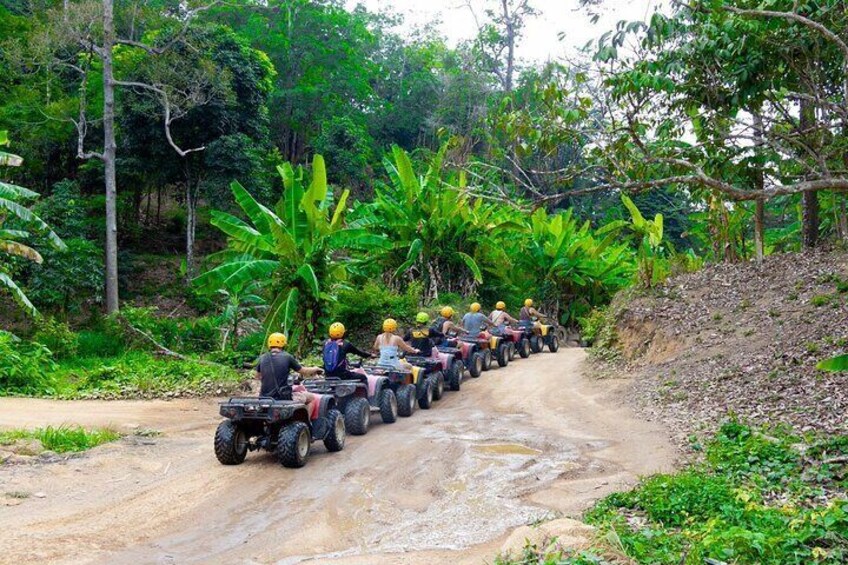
756 496
62 439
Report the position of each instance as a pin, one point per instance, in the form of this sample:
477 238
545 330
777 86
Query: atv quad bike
484 345
499 346
411 387
519 343
351 398
468 353
545 334
432 368
283 427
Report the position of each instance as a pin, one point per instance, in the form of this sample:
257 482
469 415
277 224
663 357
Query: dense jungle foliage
279 164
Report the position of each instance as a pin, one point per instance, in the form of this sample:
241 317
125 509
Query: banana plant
650 233
26 226
440 233
571 266
293 253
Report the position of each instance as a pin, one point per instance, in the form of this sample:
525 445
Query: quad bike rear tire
524 348
536 344
407 401
336 434
425 402
230 443
488 360
438 386
553 344
389 406
456 374
476 367
357 416
293 444
503 355
511 348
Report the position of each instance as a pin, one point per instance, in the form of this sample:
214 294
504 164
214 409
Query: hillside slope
741 339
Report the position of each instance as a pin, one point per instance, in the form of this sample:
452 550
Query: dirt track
535 439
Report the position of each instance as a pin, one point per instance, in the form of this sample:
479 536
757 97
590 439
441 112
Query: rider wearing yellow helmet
529 315
274 368
389 344
500 317
336 350
445 323
474 321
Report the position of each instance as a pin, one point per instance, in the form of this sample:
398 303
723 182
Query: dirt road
536 439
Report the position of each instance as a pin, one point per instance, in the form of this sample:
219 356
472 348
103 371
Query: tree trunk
759 185
842 217
191 223
809 200
109 151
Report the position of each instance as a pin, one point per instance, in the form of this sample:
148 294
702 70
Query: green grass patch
62 439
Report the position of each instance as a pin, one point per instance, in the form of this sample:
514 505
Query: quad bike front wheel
536 344
553 344
230 443
503 355
425 401
357 416
511 348
293 443
388 406
438 386
524 348
456 374
407 401
336 434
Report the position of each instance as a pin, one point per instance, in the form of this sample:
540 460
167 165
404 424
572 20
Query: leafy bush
57 337
69 279
363 310
598 328
756 499
24 366
185 335
62 439
96 343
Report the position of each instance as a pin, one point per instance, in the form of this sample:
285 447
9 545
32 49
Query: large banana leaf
238 273
307 273
472 265
19 296
20 250
15 192
32 220
411 257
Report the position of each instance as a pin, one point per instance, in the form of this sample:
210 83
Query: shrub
598 328
68 280
24 366
57 337
95 343
363 310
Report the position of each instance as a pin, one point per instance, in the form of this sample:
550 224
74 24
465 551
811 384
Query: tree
24 226
79 42
294 253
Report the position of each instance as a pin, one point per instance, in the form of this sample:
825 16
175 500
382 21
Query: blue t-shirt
474 322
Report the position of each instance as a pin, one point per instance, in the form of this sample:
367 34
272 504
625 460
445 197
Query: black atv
432 369
282 427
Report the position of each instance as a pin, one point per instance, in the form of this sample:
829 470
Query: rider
336 350
422 337
273 370
389 344
500 317
474 321
444 323
529 315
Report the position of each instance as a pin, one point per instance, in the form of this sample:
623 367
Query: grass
758 497
62 439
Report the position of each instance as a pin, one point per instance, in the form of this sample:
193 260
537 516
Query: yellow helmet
337 330
447 312
501 305
475 307
528 302
390 325
277 340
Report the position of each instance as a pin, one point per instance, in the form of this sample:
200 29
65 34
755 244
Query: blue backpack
333 358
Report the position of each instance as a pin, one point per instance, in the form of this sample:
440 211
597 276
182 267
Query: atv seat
323 403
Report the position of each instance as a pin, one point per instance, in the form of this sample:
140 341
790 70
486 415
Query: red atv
468 353
519 342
